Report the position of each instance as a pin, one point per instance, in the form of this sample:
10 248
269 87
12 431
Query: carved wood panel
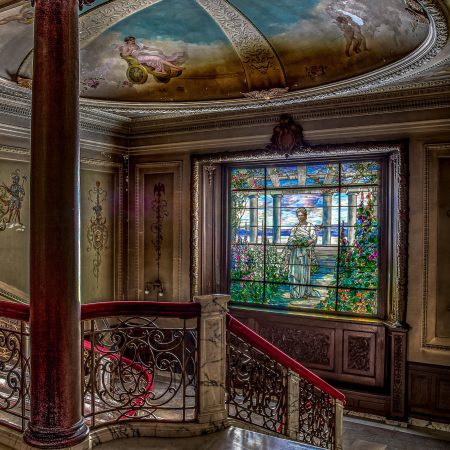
323 345
359 353
310 346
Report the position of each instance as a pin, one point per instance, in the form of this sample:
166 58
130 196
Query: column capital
213 304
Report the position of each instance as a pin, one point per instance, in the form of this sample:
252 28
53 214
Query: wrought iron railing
268 389
140 362
165 362
14 365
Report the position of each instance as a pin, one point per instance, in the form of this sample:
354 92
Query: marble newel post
212 355
56 419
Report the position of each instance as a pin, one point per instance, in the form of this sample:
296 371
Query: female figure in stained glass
302 257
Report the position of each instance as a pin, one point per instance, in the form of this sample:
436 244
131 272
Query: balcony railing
140 362
176 362
14 365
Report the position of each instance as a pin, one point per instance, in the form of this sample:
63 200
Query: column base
56 437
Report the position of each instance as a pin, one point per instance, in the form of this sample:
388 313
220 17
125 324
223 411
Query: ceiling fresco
195 50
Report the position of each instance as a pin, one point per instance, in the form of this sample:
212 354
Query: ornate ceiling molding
256 54
98 19
423 58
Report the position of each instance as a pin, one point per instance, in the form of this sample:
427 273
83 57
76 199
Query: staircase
169 370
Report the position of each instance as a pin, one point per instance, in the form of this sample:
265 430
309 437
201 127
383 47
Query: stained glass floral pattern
306 236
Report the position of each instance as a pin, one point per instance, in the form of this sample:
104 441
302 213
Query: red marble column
56 419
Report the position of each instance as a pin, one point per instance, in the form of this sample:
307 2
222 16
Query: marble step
231 438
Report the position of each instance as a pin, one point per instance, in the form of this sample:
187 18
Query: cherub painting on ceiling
354 39
143 60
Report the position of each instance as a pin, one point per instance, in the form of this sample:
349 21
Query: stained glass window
306 236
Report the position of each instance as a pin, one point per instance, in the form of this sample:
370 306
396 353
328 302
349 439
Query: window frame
210 229
382 220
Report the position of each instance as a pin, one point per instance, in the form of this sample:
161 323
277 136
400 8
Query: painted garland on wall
97 230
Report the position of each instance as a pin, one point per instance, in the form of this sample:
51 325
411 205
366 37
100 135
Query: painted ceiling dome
205 50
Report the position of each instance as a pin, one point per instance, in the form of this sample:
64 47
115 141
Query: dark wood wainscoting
366 359
429 391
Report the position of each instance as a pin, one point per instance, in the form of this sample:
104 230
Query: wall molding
166 167
429 295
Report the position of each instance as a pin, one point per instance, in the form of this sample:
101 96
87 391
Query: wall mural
11 200
234 48
97 231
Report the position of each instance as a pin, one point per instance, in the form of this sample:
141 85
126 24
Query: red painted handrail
16 311
266 347
182 310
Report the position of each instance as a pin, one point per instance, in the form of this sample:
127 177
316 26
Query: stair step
231 438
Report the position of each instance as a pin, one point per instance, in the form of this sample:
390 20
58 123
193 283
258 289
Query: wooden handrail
16 311
266 347
182 310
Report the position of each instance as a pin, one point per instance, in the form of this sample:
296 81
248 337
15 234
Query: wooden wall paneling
429 391
325 345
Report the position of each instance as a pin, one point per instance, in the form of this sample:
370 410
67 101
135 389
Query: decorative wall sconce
155 286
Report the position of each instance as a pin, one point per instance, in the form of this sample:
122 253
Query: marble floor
358 435
364 435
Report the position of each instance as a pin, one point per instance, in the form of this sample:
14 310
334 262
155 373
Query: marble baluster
212 356
339 425
293 405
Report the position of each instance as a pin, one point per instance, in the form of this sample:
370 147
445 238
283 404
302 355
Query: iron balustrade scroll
14 365
256 386
141 365
268 389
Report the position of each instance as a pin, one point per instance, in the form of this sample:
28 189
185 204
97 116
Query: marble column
293 406
212 356
326 220
253 218
56 420
352 203
276 231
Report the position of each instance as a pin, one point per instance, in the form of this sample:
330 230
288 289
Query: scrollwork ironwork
316 416
138 368
256 386
14 374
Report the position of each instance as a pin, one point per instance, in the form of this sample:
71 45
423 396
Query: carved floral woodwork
305 346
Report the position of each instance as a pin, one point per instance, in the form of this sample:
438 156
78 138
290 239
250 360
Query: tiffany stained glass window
306 236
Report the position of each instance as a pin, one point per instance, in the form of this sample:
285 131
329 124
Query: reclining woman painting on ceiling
155 59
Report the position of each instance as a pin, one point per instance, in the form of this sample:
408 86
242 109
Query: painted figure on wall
11 199
162 67
354 39
302 257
